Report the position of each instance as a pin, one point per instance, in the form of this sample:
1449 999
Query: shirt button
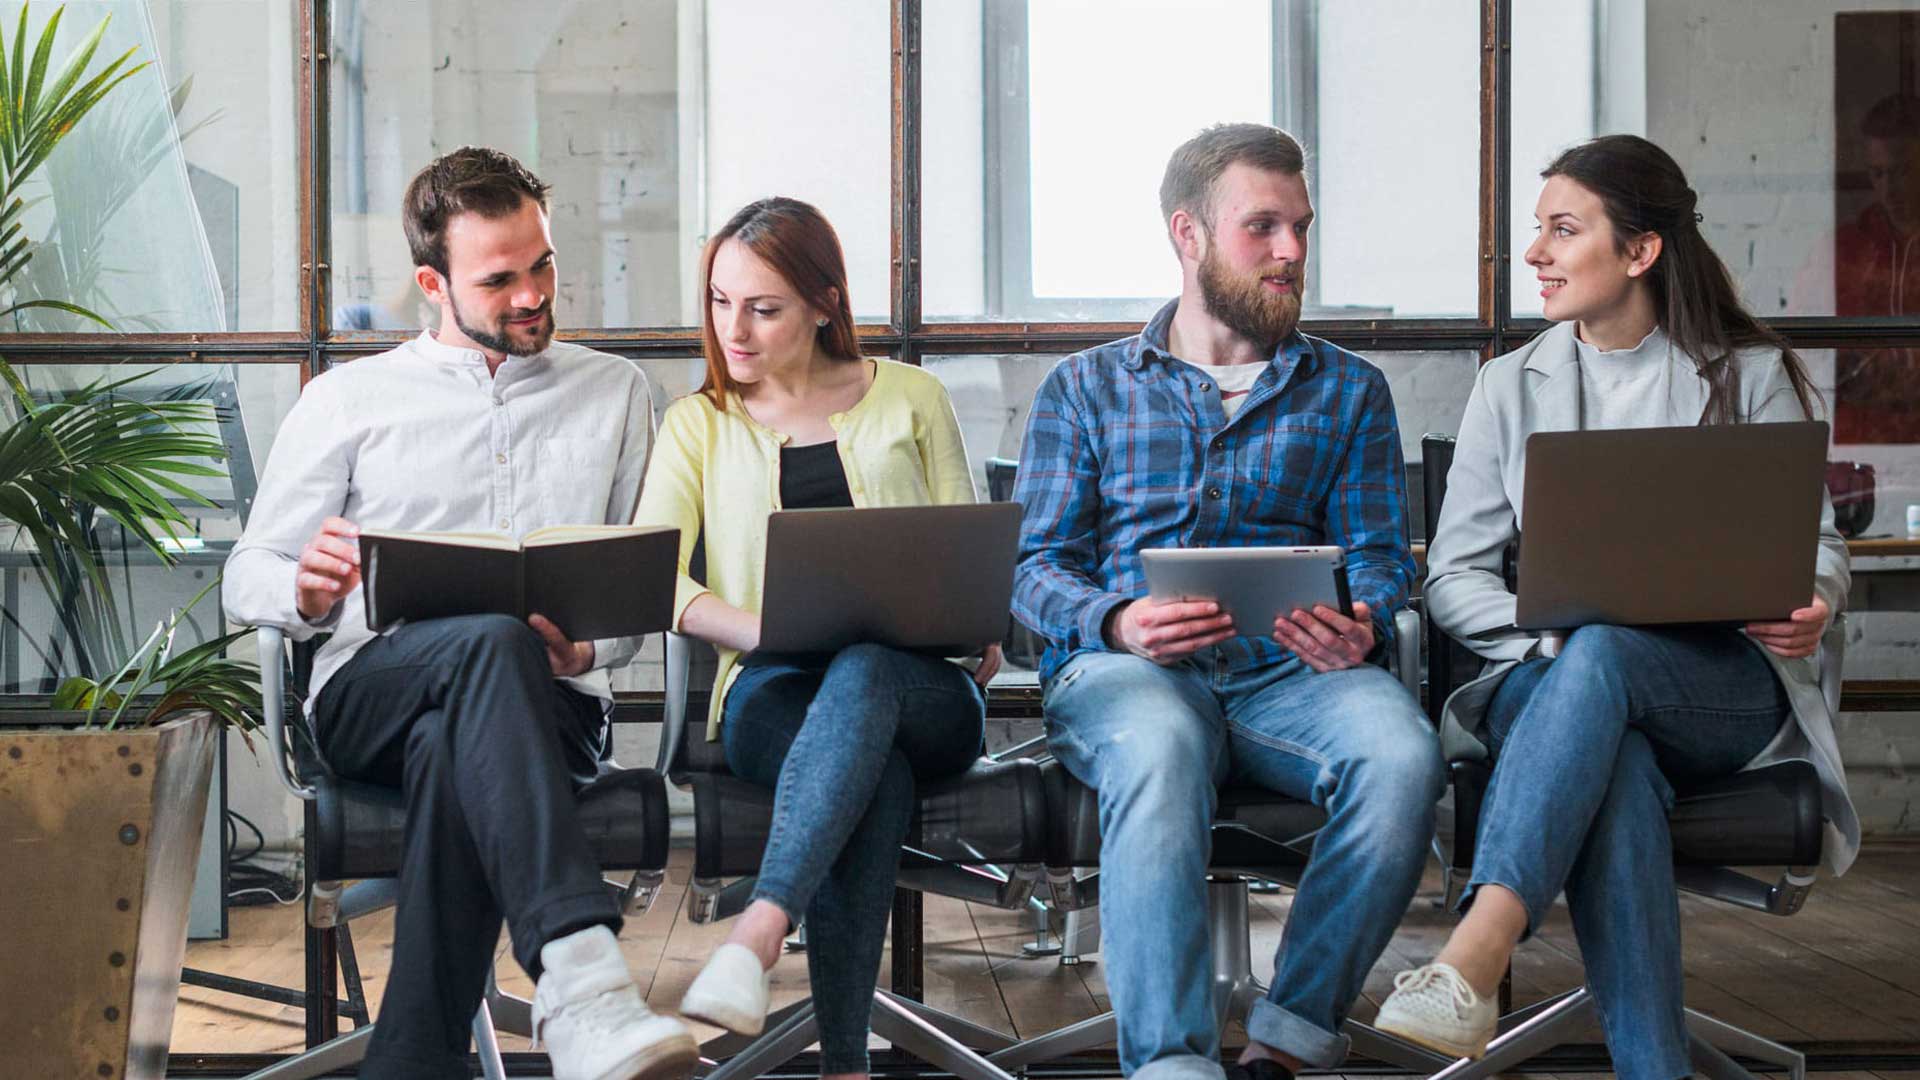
504 523
500 459
498 402
1213 492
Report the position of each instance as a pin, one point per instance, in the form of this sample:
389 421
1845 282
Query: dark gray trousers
464 715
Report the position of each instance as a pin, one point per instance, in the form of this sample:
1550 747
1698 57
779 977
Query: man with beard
489 724
1221 425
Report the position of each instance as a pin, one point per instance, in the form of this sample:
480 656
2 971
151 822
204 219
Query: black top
812 477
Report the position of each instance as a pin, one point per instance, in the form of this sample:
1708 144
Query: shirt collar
439 352
1151 343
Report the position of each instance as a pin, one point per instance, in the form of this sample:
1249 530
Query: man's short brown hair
1196 166
470 180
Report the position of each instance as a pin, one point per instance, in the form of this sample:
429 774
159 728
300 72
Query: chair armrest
273 701
1406 659
673 727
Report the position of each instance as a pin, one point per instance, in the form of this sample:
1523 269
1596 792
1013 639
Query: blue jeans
1588 749
1154 742
843 746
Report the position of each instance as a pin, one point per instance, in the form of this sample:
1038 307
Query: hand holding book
329 568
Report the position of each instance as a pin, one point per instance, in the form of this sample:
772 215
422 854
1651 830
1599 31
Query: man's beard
500 339
1244 306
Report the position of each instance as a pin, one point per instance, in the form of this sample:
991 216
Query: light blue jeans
1588 749
844 742
1154 742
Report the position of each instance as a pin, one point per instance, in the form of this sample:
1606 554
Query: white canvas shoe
588 1013
730 991
1434 1007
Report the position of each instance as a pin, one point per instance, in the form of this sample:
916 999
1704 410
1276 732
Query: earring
820 322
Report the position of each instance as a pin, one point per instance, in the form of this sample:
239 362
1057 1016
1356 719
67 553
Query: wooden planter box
101 834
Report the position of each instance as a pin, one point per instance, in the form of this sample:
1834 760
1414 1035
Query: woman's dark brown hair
797 242
1694 300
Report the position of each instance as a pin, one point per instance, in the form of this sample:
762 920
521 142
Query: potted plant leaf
101 806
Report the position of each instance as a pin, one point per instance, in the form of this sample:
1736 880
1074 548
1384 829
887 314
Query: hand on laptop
329 568
1325 639
990 658
565 657
1799 635
1164 632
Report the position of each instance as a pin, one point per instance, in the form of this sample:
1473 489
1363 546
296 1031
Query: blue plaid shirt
1129 448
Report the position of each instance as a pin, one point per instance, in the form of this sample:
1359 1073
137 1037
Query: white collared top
422 437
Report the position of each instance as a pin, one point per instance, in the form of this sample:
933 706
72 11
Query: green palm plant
97 456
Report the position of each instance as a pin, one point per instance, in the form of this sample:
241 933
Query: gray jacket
1536 388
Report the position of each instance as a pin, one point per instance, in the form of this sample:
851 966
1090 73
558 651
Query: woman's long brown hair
1694 300
798 243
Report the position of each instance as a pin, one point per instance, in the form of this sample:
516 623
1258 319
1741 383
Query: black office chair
1762 818
1258 836
353 834
993 815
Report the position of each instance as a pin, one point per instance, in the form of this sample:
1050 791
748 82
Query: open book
592 581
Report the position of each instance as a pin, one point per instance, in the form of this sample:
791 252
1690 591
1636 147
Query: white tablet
1255 585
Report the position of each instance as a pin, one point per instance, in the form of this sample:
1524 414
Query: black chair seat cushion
994 813
1254 829
355 830
1762 817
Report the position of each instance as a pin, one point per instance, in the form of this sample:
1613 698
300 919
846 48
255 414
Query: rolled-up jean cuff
1283 1031
557 914
778 898
1534 913
1180 1067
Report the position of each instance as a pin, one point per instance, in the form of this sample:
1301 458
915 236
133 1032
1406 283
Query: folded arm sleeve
1466 593
306 481
1056 589
674 493
949 477
623 497
1367 511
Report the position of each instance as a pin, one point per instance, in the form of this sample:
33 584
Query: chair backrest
1449 663
1000 474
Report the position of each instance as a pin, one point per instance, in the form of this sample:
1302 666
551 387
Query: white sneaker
730 991
1434 1007
589 1014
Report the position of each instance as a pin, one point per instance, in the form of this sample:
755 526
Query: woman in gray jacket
1589 744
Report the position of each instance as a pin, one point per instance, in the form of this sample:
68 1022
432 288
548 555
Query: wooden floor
1846 969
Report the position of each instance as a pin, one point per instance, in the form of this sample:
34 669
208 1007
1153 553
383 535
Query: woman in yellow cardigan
791 416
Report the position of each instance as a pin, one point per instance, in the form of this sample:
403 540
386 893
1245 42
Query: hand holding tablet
1299 592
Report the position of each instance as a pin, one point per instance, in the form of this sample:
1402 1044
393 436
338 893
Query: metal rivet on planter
123 904
113 1014
104 1069
13 752
124 751
117 959
129 834
135 769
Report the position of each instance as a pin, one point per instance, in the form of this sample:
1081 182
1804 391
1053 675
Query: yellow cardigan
717 474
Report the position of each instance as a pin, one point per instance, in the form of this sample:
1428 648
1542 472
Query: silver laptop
932 578
1710 524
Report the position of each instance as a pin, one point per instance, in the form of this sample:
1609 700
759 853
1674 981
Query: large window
653 120
174 207
1049 123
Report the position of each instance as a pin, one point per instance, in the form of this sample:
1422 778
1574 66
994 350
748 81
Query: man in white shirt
489 724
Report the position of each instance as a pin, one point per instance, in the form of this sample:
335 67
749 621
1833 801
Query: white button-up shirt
423 438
